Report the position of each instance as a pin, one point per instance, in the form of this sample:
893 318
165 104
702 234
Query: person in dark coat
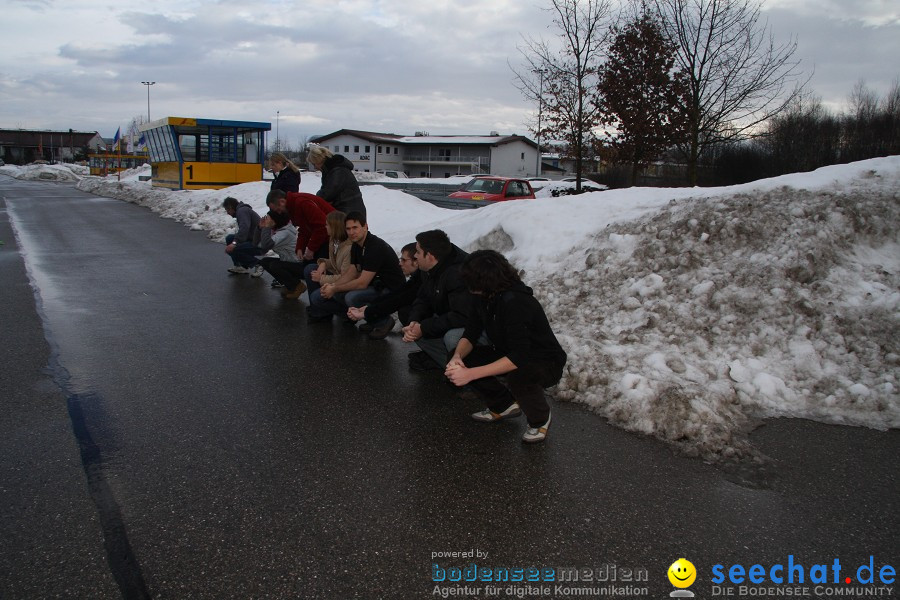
442 305
522 346
339 185
287 174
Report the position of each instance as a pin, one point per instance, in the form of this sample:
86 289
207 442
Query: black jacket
286 181
517 326
443 302
339 186
384 305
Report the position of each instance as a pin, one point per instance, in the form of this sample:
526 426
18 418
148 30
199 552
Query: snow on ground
46 172
688 314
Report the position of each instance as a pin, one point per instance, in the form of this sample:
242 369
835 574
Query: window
396 150
346 148
379 149
387 149
337 148
368 149
444 154
356 149
523 156
188 144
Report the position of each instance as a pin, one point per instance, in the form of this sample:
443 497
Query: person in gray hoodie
339 186
243 246
279 235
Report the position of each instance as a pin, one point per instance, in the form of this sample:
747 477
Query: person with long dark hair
522 346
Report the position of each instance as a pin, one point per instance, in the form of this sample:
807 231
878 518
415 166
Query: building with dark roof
424 155
22 146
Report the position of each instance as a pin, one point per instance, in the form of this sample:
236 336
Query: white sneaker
487 416
238 269
536 434
256 271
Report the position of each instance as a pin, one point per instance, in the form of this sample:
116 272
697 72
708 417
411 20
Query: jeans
441 348
339 303
288 273
244 253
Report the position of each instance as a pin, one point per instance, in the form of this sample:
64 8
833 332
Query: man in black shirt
399 300
374 271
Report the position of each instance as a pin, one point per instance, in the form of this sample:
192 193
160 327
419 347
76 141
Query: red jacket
307 213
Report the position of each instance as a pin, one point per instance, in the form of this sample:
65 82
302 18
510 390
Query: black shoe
420 361
380 332
276 284
366 327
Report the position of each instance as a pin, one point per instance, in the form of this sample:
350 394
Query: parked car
537 179
495 189
392 174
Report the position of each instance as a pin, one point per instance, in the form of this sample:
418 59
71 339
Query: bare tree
738 75
563 76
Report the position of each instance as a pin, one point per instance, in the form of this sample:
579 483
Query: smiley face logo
682 573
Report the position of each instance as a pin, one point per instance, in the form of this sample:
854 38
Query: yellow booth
193 154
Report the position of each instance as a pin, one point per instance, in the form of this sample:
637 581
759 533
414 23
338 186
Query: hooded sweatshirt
248 224
517 326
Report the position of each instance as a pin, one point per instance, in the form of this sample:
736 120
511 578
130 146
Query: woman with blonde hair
339 185
287 174
337 264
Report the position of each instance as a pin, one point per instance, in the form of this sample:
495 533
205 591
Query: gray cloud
396 66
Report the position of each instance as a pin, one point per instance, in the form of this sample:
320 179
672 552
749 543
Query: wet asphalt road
170 431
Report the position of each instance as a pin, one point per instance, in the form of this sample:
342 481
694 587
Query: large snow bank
693 322
42 172
688 314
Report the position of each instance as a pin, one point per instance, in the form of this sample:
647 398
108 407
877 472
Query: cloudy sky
397 66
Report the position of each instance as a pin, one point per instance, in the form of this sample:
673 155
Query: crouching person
522 346
442 305
280 236
243 246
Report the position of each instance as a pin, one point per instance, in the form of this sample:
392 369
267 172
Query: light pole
148 84
537 168
277 118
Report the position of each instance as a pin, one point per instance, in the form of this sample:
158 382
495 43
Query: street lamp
148 84
277 118
537 168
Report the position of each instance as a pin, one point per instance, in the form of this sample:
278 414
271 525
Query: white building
424 155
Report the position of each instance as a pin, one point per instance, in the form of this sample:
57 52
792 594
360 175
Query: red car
495 189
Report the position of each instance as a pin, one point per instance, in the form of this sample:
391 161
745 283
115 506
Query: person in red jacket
307 212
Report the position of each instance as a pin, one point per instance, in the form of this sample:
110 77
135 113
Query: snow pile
688 314
46 172
692 323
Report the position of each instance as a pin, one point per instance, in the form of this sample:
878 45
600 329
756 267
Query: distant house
424 155
22 146
561 165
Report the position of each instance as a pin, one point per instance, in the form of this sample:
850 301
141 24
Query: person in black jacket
339 186
523 346
442 305
399 301
287 174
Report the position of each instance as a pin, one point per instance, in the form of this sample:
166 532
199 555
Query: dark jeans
244 253
525 385
340 302
288 273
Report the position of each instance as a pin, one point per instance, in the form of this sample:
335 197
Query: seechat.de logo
681 575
